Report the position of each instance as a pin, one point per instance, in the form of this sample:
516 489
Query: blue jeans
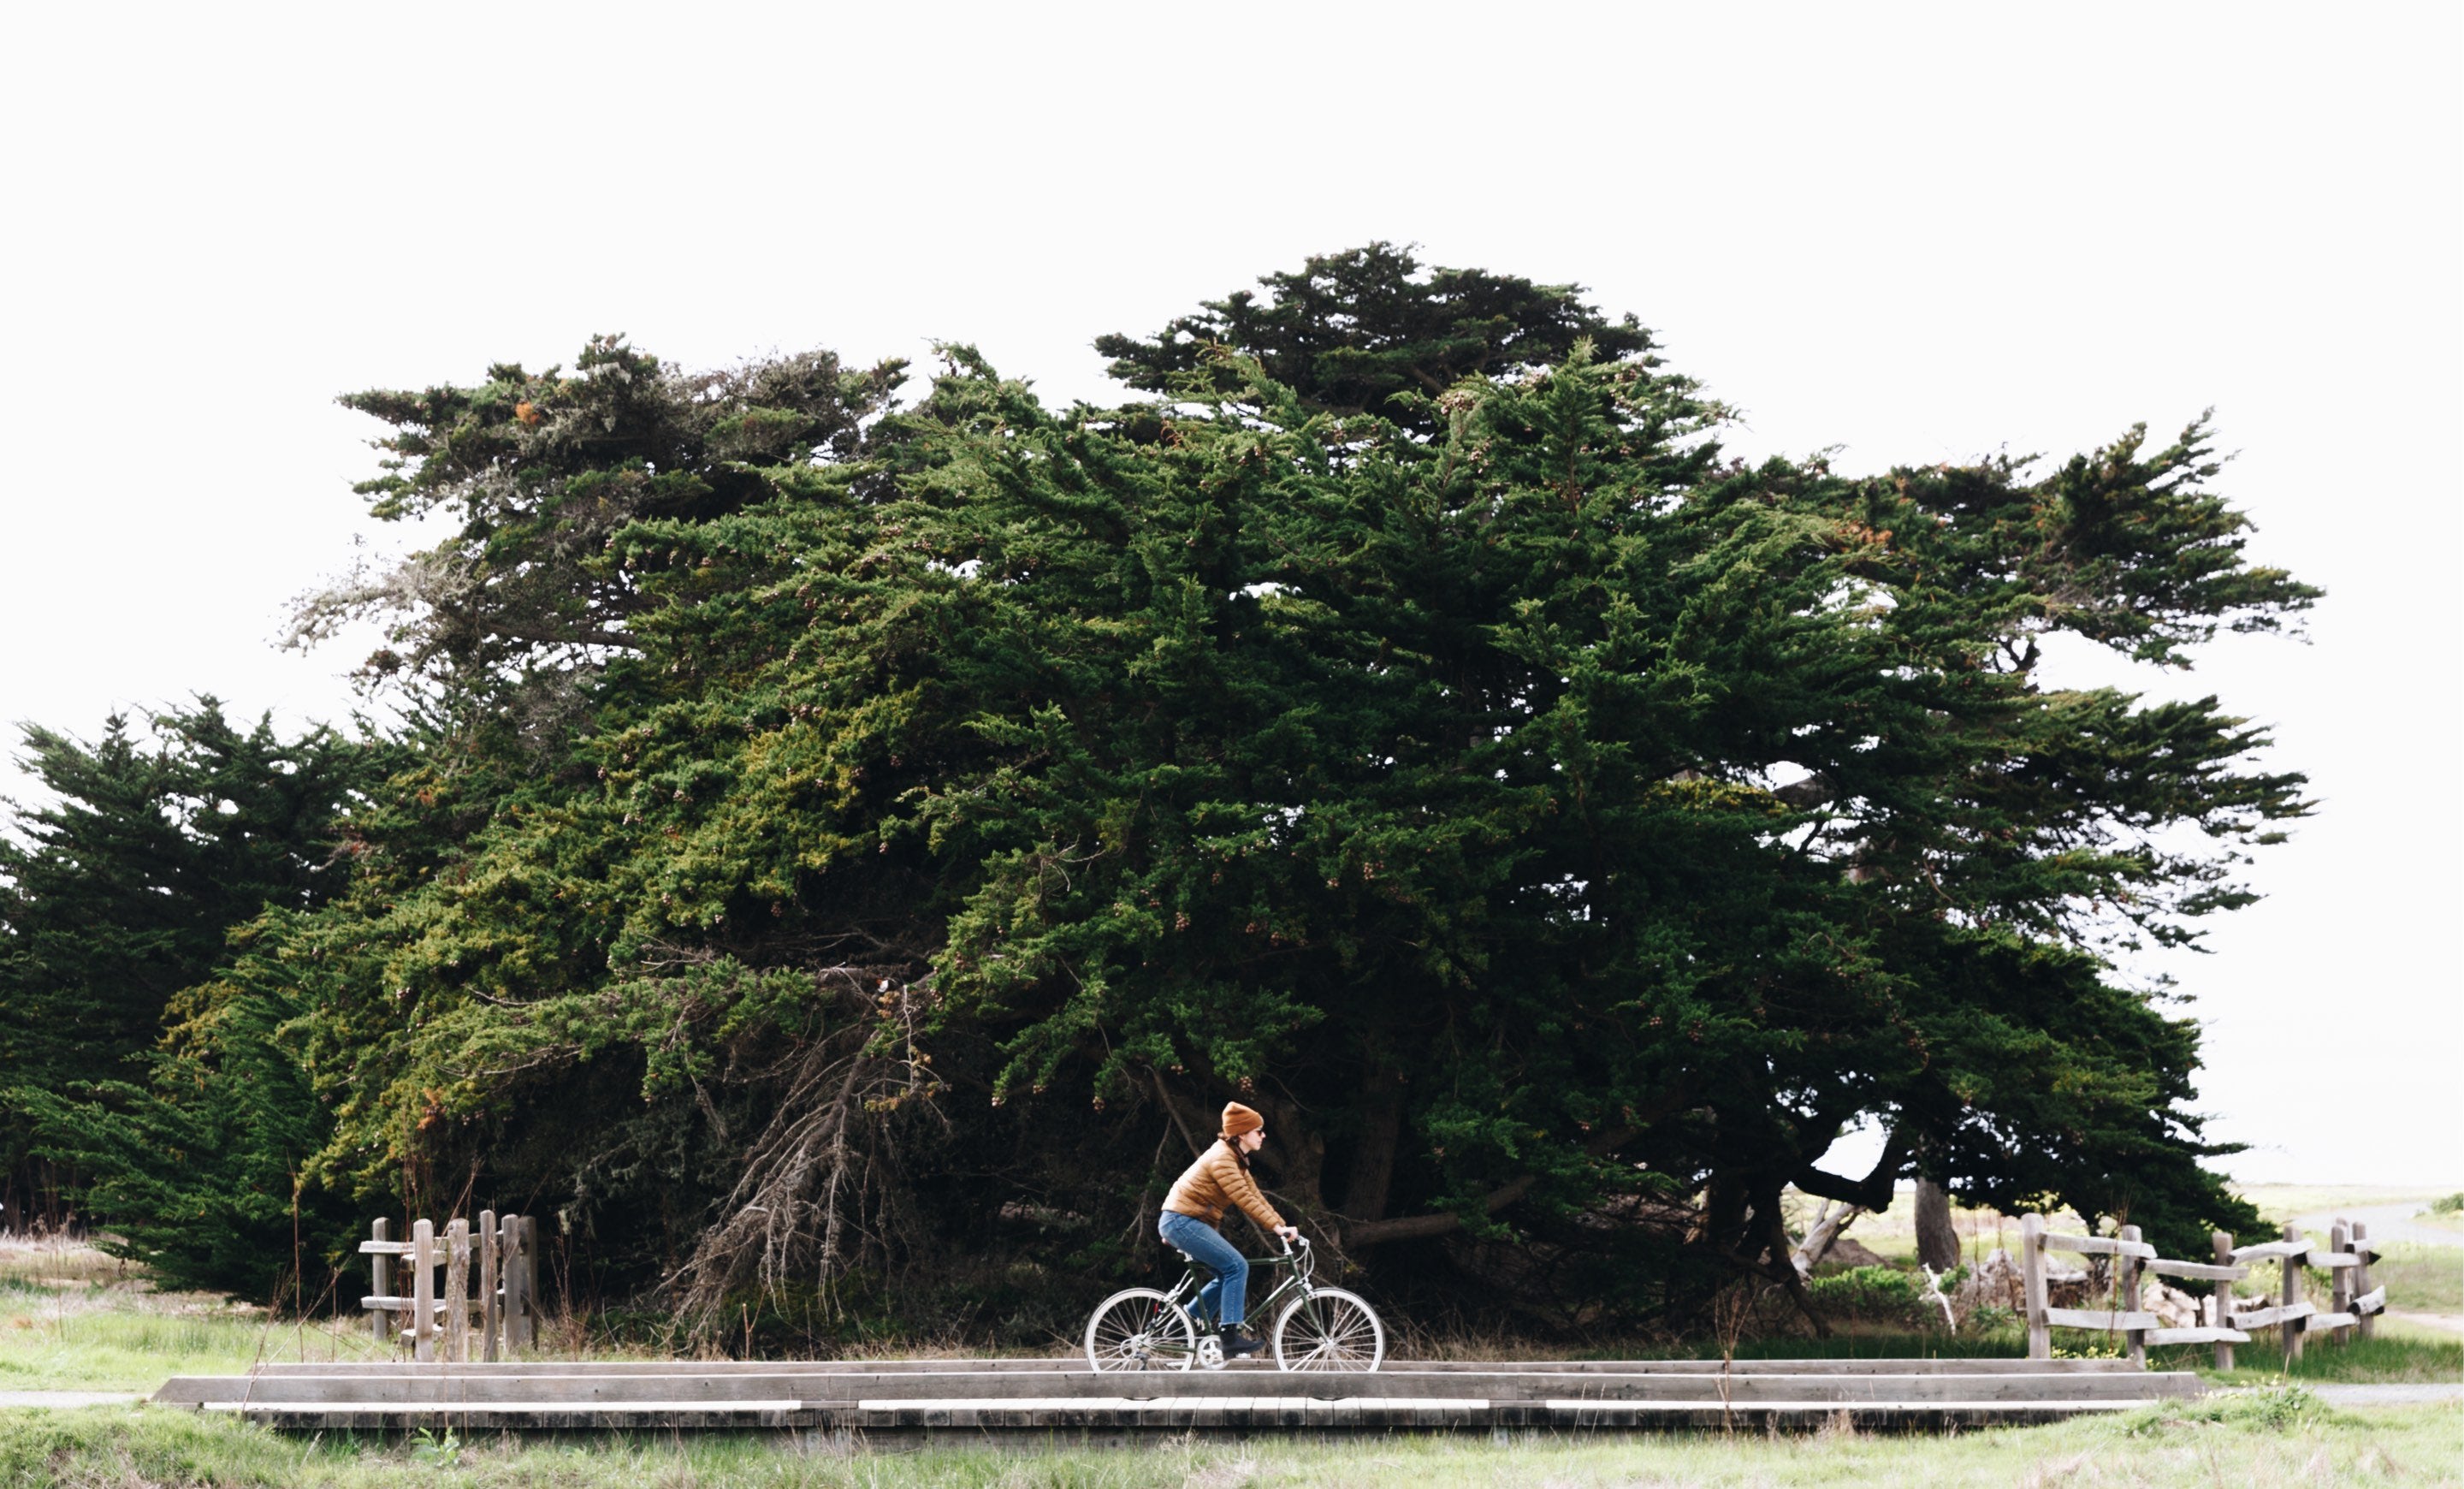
1227 1298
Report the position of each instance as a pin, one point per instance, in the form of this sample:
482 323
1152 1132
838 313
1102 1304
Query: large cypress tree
1527 808
858 847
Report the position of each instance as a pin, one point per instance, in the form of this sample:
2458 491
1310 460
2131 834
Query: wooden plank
518 1318
2032 1278
423 1289
2268 1250
2329 1261
2127 1294
2362 1248
2197 1336
2219 1303
2340 1243
381 1278
2199 1270
2372 1301
530 1276
2104 1320
2289 1327
2099 1246
383 1248
491 1302
2330 1320
2270 1317
457 1289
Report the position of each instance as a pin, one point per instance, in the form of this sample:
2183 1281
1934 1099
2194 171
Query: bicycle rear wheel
1140 1329
1330 1330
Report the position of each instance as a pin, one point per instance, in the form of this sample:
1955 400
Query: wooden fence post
457 1289
2221 1301
517 1318
380 1283
491 1312
530 1276
2340 1291
423 1289
2032 1277
2126 1289
2362 1273
2289 1329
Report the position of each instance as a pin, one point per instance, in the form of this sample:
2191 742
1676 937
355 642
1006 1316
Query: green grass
72 1319
2257 1440
110 1339
2401 1354
2420 1277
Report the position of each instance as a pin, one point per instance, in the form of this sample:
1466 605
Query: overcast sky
1917 234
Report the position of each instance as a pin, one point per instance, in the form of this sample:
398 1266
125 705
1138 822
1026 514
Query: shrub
1874 1294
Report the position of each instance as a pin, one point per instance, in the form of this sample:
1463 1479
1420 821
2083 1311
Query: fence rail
2227 1319
439 1325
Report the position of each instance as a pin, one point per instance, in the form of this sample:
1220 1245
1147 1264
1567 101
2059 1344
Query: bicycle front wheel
1140 1329
1330 1330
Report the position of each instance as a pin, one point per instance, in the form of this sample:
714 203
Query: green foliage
1875 1295
116 902
2273 1409
2448 1204
1368 331
832 834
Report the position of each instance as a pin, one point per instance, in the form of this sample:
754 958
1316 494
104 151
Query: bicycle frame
1260 1305
1304 1265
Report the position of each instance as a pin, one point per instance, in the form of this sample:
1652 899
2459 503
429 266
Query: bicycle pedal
1210 1353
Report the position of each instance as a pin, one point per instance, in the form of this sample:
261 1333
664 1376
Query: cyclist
1219 1180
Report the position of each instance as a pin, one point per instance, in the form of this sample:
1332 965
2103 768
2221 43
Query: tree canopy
846 838
1368 331
116 899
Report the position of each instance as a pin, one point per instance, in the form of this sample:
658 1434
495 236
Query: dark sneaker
1238 1343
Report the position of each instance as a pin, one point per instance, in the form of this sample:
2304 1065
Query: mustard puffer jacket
1217 1181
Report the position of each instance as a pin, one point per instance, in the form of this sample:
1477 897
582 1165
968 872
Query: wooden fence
2226 1319
438 1324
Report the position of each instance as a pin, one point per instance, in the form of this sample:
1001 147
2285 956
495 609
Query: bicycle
1321 1328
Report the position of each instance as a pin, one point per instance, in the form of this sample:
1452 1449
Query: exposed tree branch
1445 1222
1811 792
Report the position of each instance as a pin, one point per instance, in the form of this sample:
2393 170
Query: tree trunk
1937 1242
1819 1236
1372 1163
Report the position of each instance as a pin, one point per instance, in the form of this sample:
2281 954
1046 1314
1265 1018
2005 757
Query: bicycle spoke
1330 1331
1140 1330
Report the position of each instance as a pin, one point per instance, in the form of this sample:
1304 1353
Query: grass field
72 1319
2264 1438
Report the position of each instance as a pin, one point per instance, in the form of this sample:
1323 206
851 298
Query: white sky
1919 233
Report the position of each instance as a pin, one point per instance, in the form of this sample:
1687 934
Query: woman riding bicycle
1219 1180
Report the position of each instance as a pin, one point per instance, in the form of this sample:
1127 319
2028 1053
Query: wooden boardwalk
1043 1400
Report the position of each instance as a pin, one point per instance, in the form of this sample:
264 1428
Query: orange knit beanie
1239 1118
